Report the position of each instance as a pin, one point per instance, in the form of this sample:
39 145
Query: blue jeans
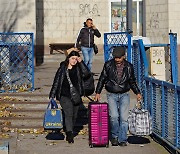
88 56
119 111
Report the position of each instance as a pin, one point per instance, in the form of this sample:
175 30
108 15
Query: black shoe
70 137
122 144
114 142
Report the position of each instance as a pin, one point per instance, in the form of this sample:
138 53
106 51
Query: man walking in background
86 41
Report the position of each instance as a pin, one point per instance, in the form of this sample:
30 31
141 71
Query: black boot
70 137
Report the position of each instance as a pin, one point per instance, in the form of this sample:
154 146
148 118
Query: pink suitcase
98 124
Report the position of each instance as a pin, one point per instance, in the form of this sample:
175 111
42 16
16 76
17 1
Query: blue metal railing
173 49
16 62
161 98
165 99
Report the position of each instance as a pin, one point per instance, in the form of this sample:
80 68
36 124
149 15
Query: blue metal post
129 57
139 65
105 44
32 37
143 53
173 51
163 111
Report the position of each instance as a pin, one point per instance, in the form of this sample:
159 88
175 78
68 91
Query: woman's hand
79 59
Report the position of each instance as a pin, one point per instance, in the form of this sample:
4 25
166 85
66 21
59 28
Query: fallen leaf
53 143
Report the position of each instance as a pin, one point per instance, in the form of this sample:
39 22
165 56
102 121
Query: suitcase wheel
107 146
90 145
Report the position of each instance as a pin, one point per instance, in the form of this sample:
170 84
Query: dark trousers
70 112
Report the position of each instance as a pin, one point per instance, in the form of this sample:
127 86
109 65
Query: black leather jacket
82 72
86 36
112 84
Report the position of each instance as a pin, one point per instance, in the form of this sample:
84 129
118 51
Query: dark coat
112 84
82 72
86 36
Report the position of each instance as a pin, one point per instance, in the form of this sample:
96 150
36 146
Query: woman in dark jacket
61 89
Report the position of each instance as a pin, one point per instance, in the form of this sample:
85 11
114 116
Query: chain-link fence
16 62
112 40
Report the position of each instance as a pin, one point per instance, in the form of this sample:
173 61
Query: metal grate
170 116
16 62
157 109
112 40
178 120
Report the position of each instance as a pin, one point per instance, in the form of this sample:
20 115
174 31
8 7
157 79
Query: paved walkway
26 143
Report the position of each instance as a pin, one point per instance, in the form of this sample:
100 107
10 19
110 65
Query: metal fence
161 98
112 40
16 62
165 110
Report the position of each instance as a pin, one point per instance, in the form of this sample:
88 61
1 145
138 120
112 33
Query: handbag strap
69 80
53 104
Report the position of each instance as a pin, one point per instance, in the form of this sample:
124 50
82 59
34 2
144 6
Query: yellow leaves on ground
5 108
5 114
83 131
31 131
3 136
7 98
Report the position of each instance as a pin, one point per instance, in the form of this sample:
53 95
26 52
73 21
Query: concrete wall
64 18
60 20
174 24
157 21
174 16
161 17
17 16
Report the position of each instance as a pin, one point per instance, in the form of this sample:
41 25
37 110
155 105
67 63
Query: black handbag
75 95
95 48
88 85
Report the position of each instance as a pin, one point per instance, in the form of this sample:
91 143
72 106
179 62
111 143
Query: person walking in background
86 41
72 68
118 77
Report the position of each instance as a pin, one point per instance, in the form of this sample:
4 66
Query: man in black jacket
86 37
118 77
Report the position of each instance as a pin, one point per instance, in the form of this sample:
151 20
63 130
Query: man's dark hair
88 19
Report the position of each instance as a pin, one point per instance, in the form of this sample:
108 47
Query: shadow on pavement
55 135
138 140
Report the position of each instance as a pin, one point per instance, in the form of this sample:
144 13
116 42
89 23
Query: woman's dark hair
72 53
